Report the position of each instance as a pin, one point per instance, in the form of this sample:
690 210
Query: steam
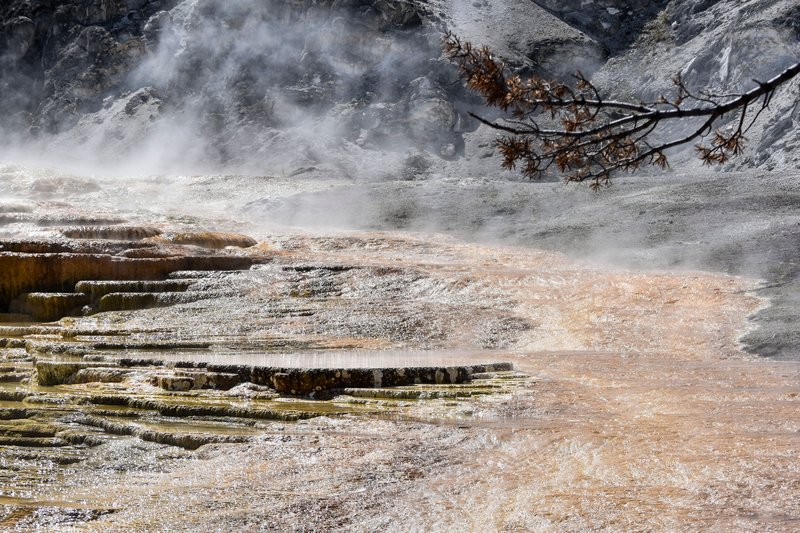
268 88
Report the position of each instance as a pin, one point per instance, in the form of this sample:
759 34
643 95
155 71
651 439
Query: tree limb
593 140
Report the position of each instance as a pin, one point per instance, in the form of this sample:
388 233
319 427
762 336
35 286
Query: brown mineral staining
44 307
210 239
128 301
148 252
21 273
115 232
51 373
98 289
304 381
110 252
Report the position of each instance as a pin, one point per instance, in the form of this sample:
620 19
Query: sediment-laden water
632 407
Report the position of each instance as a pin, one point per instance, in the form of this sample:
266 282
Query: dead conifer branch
575 130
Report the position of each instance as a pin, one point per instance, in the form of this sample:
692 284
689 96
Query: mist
265 88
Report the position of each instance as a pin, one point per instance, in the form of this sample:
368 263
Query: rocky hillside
230 82
283 87
721 47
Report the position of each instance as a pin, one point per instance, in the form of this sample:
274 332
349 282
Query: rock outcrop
284 87
721 47
89 272
228 77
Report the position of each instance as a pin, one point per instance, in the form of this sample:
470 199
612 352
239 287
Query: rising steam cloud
244 86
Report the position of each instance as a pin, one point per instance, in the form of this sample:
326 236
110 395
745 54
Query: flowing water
642 415
639 412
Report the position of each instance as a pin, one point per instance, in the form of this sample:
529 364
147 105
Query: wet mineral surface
170 407
124 348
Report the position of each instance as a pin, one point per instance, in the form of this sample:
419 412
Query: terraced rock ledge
56 401
63 387
108 268
128 348
295 381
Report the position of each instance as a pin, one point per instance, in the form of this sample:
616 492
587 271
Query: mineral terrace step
50 373
45 272
14 318
413 394
33 442
13 377
294 381
128 301
182 381
55 220
12 343
118 232
505 375
47 246
201 274
48 306
96 289
210 239
301 381
190 441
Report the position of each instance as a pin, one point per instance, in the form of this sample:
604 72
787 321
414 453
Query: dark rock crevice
616 24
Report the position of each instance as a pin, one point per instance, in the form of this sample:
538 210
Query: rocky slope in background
281 87
721 47
739 222
231 82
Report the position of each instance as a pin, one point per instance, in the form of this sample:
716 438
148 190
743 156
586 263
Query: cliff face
721 47
224 79
57 54
240 83
614 23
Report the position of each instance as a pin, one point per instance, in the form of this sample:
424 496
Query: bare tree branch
588 137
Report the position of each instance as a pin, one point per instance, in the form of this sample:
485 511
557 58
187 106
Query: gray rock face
614 23
60 58
230 82
19 34
529 37
720 47
238 84
228 75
